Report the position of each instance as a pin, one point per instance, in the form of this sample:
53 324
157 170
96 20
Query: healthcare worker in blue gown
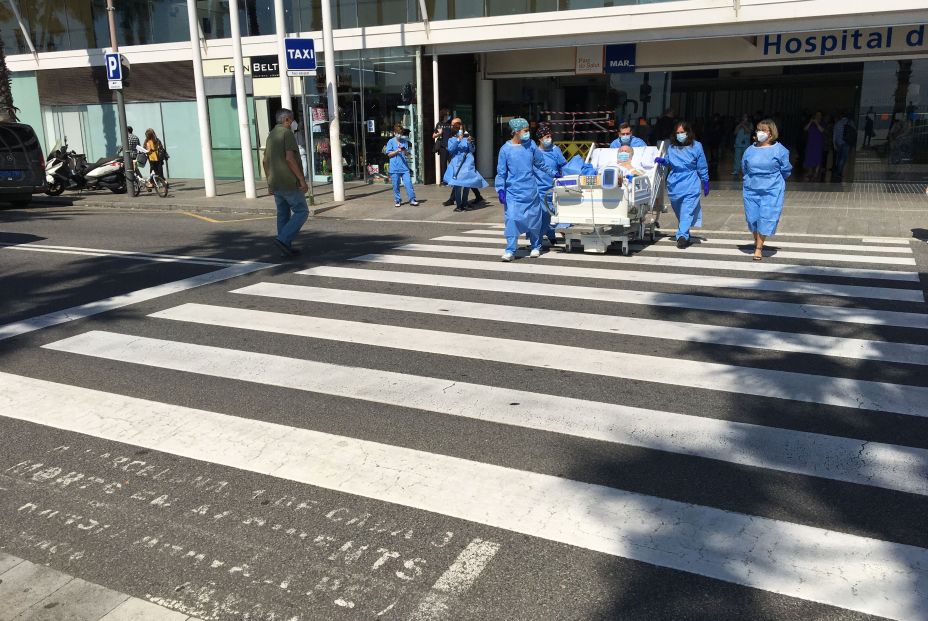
687 179
518 189
461 173
555 160
766 167
626 137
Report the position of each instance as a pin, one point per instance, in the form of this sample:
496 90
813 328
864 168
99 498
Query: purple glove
662 161
502 196
705 188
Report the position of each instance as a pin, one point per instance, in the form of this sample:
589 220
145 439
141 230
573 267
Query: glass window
453 9
169 21
309 15
515 7
10 33
382 12
48 24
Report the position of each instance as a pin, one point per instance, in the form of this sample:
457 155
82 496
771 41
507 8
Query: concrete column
484 120
435 113
206 148
280 26
335 138
241 101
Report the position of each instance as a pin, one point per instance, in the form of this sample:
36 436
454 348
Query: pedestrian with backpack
157 154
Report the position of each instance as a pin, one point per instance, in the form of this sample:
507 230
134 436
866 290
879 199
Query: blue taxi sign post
301 57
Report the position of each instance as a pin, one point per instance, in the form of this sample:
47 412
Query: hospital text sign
848 42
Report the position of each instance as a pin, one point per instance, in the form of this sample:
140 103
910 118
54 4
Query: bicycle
154 182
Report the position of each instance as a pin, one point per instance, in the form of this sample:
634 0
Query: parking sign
301 57
113 64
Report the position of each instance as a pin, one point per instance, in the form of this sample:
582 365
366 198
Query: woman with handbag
157 154
461 173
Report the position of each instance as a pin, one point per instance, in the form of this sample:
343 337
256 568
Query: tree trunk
7 109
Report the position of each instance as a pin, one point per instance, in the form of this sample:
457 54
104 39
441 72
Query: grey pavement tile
135 609
26 584
78 600
8 562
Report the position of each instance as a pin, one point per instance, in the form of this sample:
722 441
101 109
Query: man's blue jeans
292 212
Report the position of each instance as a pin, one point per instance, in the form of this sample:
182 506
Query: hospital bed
611 207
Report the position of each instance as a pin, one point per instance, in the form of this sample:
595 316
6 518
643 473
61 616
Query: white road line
840 459
860 349
121 253
694 281
724 265
142 295
880 240
860 394
733 252
452 584
130 257
625 296
802 245
839 569
743 240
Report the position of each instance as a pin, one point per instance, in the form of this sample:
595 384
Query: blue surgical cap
518 124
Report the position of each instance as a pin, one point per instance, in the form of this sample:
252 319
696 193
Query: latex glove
502 196
662 161
705 188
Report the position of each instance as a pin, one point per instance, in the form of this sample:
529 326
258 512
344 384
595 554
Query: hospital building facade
582 65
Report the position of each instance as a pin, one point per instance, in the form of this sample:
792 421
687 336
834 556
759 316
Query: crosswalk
810 364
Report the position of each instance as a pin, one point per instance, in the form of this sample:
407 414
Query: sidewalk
866 209
31 592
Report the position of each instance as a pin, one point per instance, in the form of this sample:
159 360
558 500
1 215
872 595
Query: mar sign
620 58
301 57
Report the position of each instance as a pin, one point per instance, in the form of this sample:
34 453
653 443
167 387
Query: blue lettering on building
825 44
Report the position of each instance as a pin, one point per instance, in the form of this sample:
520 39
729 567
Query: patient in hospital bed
631 161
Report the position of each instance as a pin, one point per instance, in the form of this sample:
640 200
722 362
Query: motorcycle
69 170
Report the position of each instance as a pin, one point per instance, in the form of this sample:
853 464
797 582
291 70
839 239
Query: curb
169 206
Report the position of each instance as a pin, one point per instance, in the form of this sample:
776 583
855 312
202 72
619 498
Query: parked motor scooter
68 170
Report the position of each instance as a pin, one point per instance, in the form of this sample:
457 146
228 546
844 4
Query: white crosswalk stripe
733 251
625 296
865 247
721 335
734 266
745 547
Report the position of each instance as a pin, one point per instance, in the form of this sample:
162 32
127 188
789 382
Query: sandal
758 258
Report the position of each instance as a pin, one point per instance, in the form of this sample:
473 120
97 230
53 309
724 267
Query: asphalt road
429 433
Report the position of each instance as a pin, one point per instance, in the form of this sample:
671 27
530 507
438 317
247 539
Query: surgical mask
294 126
625 139
547 142
623 156
526 137
397 136
681 137
460 133
762 136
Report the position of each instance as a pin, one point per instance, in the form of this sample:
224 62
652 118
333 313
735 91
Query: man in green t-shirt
285 182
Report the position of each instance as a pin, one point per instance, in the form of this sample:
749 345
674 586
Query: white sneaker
535 253
507 257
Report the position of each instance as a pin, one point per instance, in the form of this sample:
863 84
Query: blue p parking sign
301 57
113 67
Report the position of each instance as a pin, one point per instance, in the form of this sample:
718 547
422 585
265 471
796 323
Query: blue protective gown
399 169
636 142
462 170
555 160
515 174
765 173
688 171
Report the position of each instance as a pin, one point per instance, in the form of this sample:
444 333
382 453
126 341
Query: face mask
625 139
460 133
762 136
681 138
546 141
294 126
623 156
397 136
526 137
